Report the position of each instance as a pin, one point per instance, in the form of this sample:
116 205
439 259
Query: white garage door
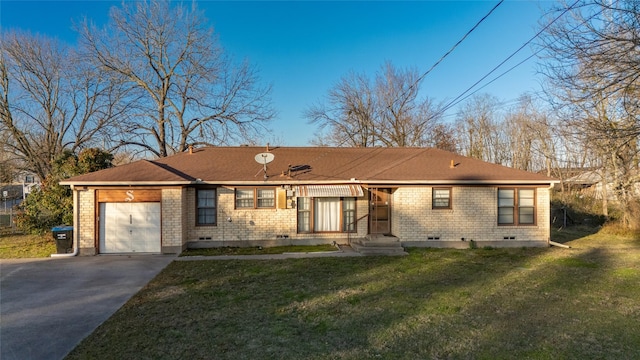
130 227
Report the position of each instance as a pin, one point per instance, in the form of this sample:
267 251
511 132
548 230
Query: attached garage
130 225
220 196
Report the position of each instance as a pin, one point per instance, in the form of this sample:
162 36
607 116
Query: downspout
550 193
76 217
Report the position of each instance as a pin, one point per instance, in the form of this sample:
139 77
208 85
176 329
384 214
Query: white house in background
591 183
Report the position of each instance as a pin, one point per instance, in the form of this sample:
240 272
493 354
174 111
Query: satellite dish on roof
264 158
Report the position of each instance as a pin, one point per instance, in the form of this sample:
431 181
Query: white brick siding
87 224
473 216
240 225
173 219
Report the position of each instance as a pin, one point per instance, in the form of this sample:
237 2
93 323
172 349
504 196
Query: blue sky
304 47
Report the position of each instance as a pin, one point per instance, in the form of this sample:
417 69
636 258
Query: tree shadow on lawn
571 233
562 305
431 304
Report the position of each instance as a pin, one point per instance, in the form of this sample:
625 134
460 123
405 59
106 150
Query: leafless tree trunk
185 89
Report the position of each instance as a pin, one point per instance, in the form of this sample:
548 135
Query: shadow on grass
571 233
434 303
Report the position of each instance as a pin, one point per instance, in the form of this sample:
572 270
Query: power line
454 102
457 100
452 48
513 67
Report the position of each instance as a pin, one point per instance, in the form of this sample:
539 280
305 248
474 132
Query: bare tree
443 137
385 111
185 89
531 137
481 135
594 75
594 54
49 101
403 119
7 165
349 114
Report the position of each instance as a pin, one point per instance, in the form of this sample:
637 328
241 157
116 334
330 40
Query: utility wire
516 65
458 98
415 83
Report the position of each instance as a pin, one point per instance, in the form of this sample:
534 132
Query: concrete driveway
47 306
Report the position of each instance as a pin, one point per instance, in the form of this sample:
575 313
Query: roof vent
453 165
190 149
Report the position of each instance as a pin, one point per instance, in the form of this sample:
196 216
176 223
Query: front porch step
381 240
378 245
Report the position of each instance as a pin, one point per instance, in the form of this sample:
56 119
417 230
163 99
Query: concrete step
380 237
378 246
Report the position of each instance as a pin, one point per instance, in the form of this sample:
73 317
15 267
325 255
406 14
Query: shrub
52 203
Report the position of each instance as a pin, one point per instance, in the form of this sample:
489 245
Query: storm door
380 211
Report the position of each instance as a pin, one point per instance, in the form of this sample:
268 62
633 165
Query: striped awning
329 191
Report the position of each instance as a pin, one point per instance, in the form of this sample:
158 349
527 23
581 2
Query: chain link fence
10 198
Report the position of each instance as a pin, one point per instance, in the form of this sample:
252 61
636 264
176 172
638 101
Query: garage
129 226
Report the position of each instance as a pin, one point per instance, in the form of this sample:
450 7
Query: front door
380 211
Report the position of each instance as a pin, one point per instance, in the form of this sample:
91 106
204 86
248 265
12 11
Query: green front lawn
26 246
542 303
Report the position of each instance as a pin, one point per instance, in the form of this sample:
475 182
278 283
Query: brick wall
473 216
238 226
173 219
86 226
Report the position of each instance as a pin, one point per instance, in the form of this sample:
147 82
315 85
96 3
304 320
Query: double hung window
206 207
441 198
516 206
255 198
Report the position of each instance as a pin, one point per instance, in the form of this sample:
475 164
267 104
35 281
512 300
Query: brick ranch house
222 196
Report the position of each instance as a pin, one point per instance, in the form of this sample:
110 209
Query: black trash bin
63 235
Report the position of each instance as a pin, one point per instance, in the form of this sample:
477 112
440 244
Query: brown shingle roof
237 165
140 171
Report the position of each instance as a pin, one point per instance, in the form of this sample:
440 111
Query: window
304 215
516 206
326 214
349 215
441 198
206 207
526 206
266 198
506 202
256 198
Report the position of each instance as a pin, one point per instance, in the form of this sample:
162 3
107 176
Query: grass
533 303
26 246
257 250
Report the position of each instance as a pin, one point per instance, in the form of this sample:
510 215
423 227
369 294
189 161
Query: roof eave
125 183
310 182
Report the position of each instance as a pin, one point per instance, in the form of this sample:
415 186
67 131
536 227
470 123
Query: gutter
312 182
